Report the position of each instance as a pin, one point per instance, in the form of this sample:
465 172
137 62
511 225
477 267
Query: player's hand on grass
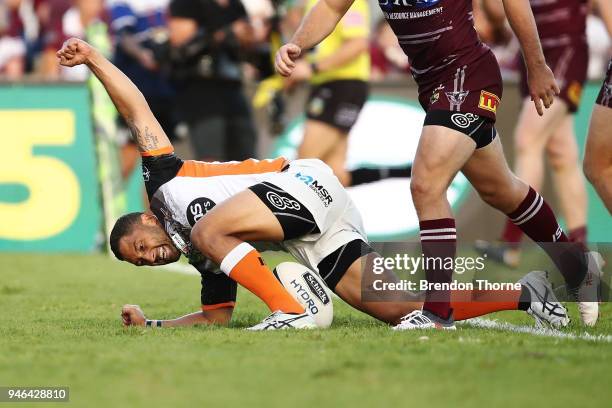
74 52
132 315
284 62
542 86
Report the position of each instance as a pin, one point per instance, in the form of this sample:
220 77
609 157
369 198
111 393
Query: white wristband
153 323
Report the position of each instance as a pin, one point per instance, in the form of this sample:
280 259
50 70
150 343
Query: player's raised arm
316 25
542 84
128 100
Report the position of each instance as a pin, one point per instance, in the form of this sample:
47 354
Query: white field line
544 332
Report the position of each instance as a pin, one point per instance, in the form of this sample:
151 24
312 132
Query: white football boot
587 294
424 320
544 306
282 321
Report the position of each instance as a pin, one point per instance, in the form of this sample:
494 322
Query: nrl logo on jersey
417 4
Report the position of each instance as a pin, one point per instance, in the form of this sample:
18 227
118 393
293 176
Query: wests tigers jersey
181 192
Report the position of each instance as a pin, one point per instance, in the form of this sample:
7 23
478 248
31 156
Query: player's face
148 244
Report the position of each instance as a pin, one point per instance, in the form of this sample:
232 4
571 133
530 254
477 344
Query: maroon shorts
605 94
569 63
474 88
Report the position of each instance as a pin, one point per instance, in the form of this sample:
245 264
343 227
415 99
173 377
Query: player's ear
148 219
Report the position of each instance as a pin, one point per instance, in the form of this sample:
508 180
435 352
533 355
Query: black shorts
293 216
337 103
333 267
480 129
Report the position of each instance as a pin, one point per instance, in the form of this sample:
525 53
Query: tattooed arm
128 100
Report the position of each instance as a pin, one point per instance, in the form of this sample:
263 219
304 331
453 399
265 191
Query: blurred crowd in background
191 58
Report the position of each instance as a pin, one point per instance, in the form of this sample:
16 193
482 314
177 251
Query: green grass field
60 326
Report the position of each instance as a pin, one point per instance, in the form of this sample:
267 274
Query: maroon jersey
437 35
559 21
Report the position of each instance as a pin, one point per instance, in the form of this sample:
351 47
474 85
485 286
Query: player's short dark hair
123 227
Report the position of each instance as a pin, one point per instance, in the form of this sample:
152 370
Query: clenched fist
284 62
74 52
132 315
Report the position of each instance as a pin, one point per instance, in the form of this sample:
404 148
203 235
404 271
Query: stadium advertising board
48 182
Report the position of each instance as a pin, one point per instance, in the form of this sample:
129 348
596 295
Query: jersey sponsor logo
557 235
456 98
417 4
488 101
435 95
424 8
146 173
198 208
316 106
463 120
412 15
303 294
282 203
347 115
574 91
317 187
315 287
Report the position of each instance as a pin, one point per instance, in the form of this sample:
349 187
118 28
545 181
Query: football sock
578 234
245 265
367 175
512 234
438 242
469 304
537 220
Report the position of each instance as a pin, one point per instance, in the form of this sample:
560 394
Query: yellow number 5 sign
54 193
47 154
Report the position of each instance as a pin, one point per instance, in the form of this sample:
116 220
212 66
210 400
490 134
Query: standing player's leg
598 154
328 143
333 109
530 139
564 160
336 159
531 136
441 153
221 236
488 172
